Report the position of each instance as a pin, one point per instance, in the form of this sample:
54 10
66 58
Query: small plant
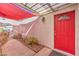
3 55
25 39
17 36
4 37
32 40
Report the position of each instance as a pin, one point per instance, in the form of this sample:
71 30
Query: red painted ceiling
11 11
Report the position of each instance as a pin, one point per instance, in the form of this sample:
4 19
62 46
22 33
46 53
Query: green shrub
32 40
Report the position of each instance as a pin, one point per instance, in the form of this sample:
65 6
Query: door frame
66 53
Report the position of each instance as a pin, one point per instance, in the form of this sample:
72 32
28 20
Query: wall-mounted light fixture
43 19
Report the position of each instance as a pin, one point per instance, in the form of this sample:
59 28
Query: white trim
29 29
63 52
14 22
26 33
76 24
39 1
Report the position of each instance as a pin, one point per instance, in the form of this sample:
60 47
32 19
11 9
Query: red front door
64 32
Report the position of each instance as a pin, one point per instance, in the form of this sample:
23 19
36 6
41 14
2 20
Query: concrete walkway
16 48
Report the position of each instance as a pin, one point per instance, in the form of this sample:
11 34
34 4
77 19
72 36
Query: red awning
11 11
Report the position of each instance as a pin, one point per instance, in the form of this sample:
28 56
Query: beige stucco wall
22 28
45 31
